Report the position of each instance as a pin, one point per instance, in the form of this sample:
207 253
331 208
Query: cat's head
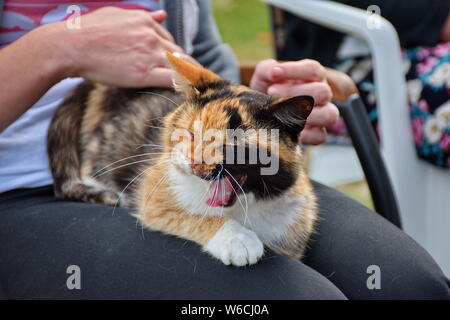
227 139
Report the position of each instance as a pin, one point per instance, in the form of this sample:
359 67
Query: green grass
359 191
245 25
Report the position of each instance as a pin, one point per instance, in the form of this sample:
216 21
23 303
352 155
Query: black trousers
40 237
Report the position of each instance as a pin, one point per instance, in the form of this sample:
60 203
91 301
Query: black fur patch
254 100
204 99
118 99
263 186
235 120
215 85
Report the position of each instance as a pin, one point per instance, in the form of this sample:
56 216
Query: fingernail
272 91
176 54
277 72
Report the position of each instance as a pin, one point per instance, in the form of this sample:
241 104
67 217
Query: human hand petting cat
303 77
117 47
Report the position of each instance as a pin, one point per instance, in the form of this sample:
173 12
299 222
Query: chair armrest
366 146
247 69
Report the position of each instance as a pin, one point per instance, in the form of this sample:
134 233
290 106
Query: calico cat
139 149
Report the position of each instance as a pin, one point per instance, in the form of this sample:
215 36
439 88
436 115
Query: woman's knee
369 258
172 268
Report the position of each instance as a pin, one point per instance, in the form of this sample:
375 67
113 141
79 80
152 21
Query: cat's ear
188 77
292 112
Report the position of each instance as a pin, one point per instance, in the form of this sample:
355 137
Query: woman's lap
40 237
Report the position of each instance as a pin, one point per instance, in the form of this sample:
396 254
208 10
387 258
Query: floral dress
427 72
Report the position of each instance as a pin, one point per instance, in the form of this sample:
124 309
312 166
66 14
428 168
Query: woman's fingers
320 91
155 20
306 70
304 77
159 16
323 116
313 135
165 45
270 73
261 79
158 77
163 33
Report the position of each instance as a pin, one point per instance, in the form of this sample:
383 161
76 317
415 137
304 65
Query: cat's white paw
236 245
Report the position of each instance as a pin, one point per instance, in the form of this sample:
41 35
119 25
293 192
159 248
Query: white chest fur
269 219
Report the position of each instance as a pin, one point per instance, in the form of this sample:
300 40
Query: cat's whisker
120 160
159 95
200 203
143 146
156 146
243 193
207 190
149 196
155 127
240 202
218 179
121 166
203 216
242 206
124 189
131 163
265 187
137 176
223 195
155 118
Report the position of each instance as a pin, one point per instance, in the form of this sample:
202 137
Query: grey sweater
208 47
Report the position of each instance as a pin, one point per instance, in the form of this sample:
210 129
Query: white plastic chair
422 191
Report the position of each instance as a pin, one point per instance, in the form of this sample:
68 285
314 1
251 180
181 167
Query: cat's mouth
224 191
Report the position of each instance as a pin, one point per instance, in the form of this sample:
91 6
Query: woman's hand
445 33
117 47
304 77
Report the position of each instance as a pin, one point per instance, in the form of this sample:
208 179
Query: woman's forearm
28 68
114 46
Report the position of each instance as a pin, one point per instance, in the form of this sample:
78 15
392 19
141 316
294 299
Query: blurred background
245 25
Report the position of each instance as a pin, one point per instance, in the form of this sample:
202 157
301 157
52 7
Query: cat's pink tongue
221 192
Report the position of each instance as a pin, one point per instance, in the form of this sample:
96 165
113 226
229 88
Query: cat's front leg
223 238
235 244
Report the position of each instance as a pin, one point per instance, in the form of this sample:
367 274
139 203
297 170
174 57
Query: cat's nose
203 170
